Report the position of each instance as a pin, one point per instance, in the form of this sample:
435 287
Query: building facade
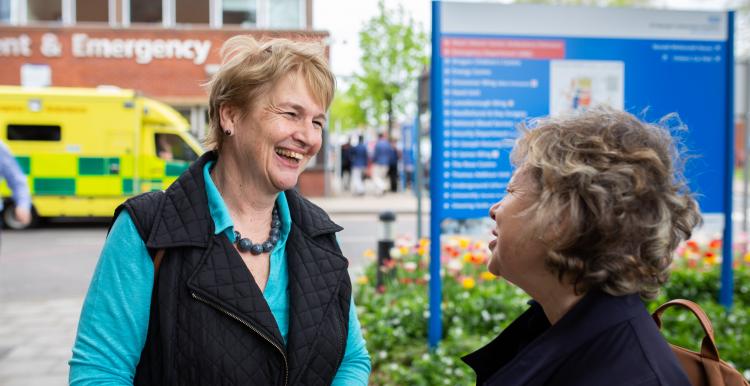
164 49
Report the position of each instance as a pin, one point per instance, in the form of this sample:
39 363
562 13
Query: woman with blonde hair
230 276
588 226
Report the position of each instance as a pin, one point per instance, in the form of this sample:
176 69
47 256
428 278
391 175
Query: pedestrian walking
393 166
381 159
359 159
19 188
346 165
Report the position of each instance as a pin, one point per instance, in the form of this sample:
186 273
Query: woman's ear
227 115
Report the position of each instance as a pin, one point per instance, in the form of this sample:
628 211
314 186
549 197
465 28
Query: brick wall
171 80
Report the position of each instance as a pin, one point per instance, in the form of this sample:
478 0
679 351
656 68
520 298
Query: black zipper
248 325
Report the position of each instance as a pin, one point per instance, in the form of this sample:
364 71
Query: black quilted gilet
209 322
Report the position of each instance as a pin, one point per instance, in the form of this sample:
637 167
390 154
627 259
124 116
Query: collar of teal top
220 213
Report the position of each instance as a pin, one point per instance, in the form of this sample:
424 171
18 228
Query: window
192 11
33 132
170 147
92 11
145 11
244 12
44 10
286 14
5 11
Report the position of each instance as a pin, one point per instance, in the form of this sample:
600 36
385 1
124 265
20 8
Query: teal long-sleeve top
114 319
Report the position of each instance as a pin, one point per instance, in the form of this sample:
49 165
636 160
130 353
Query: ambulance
84 151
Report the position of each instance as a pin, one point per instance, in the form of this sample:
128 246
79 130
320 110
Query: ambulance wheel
9 218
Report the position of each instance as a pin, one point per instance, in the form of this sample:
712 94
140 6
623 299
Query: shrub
477 306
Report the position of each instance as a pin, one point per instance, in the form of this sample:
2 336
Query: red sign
503 48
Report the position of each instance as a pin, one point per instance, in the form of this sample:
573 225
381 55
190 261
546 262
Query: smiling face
274 142
517 254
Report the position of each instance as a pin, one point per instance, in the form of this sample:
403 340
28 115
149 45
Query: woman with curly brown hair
588 226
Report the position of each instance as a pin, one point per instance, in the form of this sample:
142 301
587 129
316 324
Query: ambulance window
33 132
171 147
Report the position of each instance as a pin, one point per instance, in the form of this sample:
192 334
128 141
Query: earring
228 133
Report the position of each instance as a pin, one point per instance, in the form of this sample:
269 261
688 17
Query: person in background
18 185
381 158
346 165
164 148
592 216
230 276
393 166
359 160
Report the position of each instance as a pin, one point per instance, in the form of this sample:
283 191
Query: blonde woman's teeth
289 154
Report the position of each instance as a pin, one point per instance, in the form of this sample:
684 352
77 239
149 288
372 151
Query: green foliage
346 113
477 307
393 54
395 327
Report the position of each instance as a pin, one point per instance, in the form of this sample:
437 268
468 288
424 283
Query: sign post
494 66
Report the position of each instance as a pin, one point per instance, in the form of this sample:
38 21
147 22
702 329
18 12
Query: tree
346 112
394 51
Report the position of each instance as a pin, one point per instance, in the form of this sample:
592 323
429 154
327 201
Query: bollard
385 244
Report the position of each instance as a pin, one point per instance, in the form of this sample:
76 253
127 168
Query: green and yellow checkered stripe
72 175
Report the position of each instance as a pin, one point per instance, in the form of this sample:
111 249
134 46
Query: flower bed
477 306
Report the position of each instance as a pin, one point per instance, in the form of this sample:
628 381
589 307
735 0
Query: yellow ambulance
86 150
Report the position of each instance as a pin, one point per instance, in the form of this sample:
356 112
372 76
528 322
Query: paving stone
45 380
23 352
28 367
36 339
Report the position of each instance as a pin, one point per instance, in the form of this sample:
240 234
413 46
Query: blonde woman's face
280 135
515 252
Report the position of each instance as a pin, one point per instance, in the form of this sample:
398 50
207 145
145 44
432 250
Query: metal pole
418 171
726 291
746 171
435 325
385 244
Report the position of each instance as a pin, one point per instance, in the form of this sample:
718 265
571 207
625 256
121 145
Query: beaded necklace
246 245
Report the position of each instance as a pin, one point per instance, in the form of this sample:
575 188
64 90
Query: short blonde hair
611 190
251 68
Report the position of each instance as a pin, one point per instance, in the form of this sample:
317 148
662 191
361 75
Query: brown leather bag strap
157 261
708 346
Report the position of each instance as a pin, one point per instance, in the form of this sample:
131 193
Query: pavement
35 341
348 204
36 336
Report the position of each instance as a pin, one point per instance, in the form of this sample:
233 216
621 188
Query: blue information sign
494 66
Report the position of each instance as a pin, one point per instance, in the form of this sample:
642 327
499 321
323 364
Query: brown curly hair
612 194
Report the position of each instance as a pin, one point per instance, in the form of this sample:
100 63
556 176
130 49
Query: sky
344 18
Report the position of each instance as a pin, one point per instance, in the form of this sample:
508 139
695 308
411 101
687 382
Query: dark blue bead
267 246
256 249
273 239
274 232
275 224
245 245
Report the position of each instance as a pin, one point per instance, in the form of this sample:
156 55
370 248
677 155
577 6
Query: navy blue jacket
603 340
359 156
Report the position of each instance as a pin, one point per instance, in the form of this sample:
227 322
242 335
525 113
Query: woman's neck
556 298
241 196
